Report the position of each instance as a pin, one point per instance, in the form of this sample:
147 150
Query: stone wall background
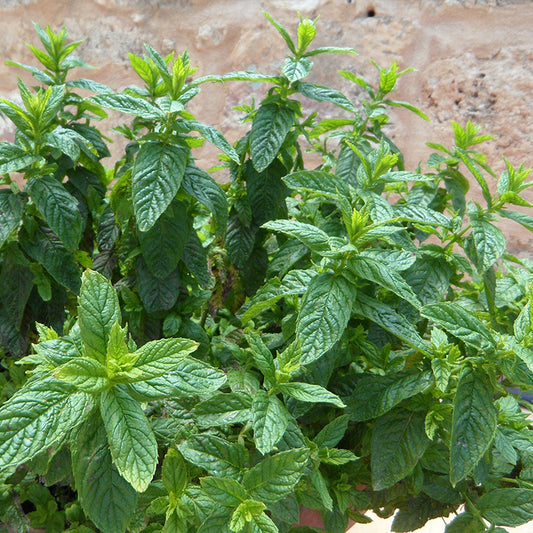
473 58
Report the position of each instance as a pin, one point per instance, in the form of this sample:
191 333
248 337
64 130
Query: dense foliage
183 356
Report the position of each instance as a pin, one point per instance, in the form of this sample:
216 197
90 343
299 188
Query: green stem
511 480
474 510
457 236
203 318
244 430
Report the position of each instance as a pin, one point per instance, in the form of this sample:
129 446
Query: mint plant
86 387
47 226
345 338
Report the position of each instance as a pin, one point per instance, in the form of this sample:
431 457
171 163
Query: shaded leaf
130 437
324 314
58 208
271 124
105 496
398 442
474 423
156 178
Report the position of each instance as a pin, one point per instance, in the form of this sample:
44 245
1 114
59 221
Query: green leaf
224 409
442 372
313 237
19 163
84 373
375 395
415 512
98 310
324 314
217 456
398 442
429 278
163 244
207 191
17 115
224 491
16 284
275 477
319 484
507 507
386 317
262 356
174 472
68 142
288 254
523 353
254 271
58 208
306 34
399 260
271 124
11 209
246 514
216 522
38 74
117 352
522 324
404 176
316 181
474 423
45 248
465 523
196 260
521 218
157 294
240 240
486 244
460 323
296 69
191 376
270 420
130 104
105 496
174 522
88 85
308 392
282 31
188 377
240 75
156 178
214 137
331 434
333 456
330 50
38 416
407 105
263 524
57 351
325 94
421 215
159 357
92 138
265 297
474 169
130 437
266 191
381 274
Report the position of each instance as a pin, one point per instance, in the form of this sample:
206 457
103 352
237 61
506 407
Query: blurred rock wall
473 58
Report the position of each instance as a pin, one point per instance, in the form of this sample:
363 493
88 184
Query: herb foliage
183 356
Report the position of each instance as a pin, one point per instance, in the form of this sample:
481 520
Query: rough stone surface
473 58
